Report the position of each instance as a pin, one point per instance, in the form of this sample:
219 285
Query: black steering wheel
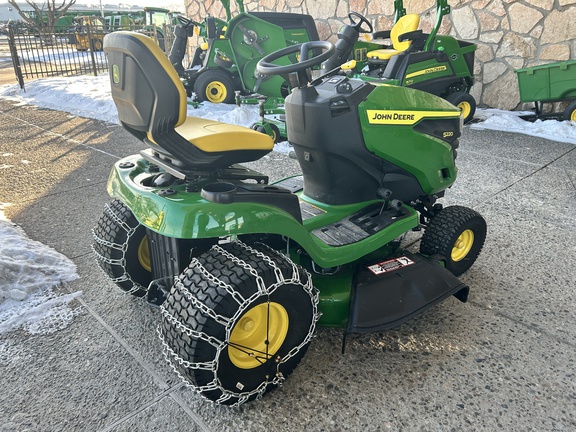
266 67
358 25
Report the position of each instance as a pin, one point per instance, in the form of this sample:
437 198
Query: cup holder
219 192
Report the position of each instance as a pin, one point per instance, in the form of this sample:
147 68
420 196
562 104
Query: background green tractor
226 61
158 24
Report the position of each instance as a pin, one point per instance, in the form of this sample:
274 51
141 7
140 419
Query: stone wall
510 34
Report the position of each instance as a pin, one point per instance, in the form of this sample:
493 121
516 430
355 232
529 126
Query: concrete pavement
502 361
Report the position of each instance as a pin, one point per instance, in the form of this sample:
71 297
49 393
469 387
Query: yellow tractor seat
406 24
152 106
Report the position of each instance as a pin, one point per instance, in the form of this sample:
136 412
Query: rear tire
121 248
465 102
456 233
215 86
570 112
237 321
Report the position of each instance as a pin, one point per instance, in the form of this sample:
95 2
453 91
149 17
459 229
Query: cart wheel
221 60
275 132
456 233
121 248
215 86
570 112
237 321
465 102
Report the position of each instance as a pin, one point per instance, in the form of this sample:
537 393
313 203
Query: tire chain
244 303
116 217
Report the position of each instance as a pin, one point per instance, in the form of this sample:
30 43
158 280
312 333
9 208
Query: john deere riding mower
226 61
437 64
243 269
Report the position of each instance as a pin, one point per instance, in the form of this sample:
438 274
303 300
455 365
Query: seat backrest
211 30
405 24
146 89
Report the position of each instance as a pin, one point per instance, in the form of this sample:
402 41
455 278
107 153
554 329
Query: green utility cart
554 82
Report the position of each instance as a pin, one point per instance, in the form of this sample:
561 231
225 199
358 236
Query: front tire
215 86
465 102
238 321
121 248
456 233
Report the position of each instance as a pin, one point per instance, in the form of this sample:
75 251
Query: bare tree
47 13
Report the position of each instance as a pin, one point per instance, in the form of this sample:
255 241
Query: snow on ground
29 270
510 121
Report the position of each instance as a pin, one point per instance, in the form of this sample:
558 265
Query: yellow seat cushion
407 23
213 136
382 54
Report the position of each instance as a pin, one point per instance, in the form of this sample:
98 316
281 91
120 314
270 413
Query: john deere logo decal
435 69
404 117
115 74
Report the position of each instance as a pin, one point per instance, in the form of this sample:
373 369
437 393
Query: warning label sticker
390 265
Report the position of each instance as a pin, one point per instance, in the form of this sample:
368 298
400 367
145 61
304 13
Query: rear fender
173 212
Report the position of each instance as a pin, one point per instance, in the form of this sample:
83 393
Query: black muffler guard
390 292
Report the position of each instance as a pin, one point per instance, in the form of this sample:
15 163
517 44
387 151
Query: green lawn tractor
226 62
243 269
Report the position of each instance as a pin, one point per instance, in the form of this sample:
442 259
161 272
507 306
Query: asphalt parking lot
502 361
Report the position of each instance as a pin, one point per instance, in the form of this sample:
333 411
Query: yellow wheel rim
573 116
466 108
216 92
263 326
144 254
462 245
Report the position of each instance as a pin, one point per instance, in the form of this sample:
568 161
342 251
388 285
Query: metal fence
70 50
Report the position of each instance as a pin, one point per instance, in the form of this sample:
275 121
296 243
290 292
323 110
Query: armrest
383 34
413 35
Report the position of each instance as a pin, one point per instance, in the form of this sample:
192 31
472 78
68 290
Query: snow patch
29 270
510 121
283 147
44 312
